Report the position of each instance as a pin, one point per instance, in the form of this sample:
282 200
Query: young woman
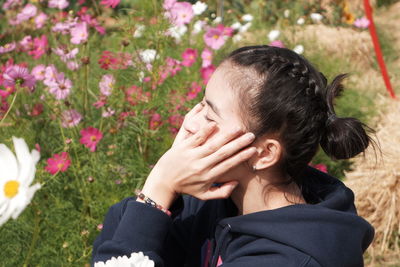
237 180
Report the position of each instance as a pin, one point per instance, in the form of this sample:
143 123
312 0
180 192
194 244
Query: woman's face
219 105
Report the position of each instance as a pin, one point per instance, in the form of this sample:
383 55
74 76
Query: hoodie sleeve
272 260
132 226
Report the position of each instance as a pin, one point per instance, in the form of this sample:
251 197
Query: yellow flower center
11 188
216 36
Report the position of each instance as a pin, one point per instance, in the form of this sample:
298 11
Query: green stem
35 237
9 109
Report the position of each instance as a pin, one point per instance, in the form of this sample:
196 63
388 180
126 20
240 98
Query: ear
269 152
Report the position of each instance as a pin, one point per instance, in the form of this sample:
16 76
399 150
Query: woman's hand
193 164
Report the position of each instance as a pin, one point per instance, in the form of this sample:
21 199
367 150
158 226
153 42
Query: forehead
220 92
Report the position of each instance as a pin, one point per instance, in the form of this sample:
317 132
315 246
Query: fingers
231 162
223 191
223 146
201 136
183 133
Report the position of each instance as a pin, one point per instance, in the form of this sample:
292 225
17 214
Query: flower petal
8 164
24 159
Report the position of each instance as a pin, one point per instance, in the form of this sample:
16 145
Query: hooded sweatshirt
324 232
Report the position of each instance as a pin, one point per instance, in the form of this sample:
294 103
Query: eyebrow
213 107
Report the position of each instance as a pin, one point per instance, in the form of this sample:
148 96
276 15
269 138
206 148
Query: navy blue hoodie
325 232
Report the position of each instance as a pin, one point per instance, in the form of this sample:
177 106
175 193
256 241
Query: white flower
148 55
286 13
177 32
247 17
245 27
237 38
198 26
16 176
199 8
301 21
299 49
106 84
139 31
273 35
236 25
217 20
316 17
135 260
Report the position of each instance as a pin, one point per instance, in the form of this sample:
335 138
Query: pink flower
79 33
206 73
64 54
277 43
195 89
100 226
40 20
60 87
58 163
108 60
50 75
7 48
39 71
73 65
135 94
26 13
207 57
181 13
155 121
11 3
60 4
110 3
18 75
106 84
362 23
168 4
90 137
189 57
214 38
108 112
175 122
70 118
40 47
26 43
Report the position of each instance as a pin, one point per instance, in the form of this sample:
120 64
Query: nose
194 123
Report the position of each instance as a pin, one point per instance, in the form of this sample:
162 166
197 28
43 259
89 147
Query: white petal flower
236 25
237 38
199 8
137 259
247 17
244 27
198 26
148 55
301 21
299 49
217 20
139 31
286 13
316 17
177 32
273 35
16 176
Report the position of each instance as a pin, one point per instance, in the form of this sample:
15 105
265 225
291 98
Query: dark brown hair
282 94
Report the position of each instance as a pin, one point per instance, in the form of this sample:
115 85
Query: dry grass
376 184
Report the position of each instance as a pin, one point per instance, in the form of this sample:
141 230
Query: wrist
159 193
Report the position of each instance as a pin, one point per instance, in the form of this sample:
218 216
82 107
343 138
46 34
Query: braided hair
283 95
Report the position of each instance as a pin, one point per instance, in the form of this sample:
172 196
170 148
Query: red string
377 47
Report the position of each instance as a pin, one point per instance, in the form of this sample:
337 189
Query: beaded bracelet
151 202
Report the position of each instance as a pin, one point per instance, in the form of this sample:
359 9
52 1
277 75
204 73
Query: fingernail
250 136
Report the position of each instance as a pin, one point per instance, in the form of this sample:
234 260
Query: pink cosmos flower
40 20
194 90
70 118
155 121
206 73
7 48
40 47
50 75
60 87
362 23
214 38
135 94
180 13
18 75
106 84
110 3
189 57
175 122
73 65
64 54
168 4
26 43
58 163
79 33
277 43
11 3
5 93
207 57
26 13
321 167
38 72
60 4
90 138
108 112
